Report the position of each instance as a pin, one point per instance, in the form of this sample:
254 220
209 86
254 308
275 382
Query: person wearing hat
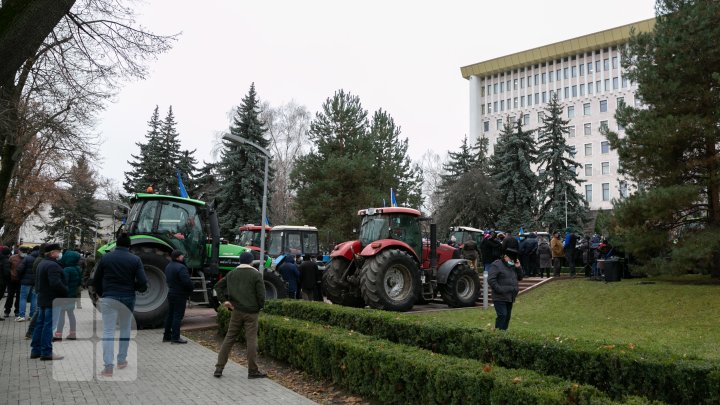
118 275
180 287
503 279
242 291
50 285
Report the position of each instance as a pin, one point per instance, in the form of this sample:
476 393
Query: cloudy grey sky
400 55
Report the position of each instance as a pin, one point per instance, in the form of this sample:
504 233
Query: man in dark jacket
290 273
569 248
26 274
13 288
528 250
119 274
181 286
489 249
503 279
308 278
50 285
243 292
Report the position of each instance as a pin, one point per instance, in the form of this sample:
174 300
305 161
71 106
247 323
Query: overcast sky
402 56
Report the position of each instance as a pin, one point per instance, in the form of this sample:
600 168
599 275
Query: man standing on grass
242 291
503 279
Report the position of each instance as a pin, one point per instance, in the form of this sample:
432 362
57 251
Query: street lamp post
263 220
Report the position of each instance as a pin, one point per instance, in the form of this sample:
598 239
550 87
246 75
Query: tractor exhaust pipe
433 246
213 268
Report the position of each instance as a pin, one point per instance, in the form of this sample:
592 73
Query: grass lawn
674 315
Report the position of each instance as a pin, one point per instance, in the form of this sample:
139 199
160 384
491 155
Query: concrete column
475 129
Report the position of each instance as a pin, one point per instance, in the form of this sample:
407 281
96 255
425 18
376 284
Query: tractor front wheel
390 281
337 291
462 288
151 306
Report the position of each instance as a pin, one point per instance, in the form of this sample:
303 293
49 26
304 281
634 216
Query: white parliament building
587 76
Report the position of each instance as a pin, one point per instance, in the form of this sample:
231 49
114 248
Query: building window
615 62
557 75
603 106
502 87
624 82
573 152
486 126
615 83
582 90
588 170
571 112
582 69
526 119
571 131
507 85
590 88
573 71
529 81
604 147
515 83
544 97
606 64
537 98
515 102
499 124
541 115
588 149
574 91
529 100
586 109
605 168
550 76
623 189
603 125
597 66
502 105
522 101
495 88
587 129
567 92
606 191
588 192
489 108
482 112
620 127
598 86
590 68
495 106
607 84
522 82
489 90
537 79
507 102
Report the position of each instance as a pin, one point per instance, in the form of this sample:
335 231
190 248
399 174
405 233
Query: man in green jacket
241 291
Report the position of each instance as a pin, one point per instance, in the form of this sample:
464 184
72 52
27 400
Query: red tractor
249 237
392 266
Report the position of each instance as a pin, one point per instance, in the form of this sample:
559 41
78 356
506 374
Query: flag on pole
181 186
393 201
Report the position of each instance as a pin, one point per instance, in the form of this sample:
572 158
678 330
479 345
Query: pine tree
670 146
558 178
170 157
242 168
480 153
336 178
514 178
147 161
393 166
458 163
73 217
472 200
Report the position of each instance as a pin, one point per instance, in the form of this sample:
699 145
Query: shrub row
618 371
395 373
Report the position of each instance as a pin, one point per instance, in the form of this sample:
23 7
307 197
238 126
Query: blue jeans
116 310
24 291
41 343
503 310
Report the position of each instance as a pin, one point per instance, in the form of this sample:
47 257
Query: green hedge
615 370
395 373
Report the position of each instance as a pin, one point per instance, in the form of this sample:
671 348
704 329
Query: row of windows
604 169
605 187
563 94
548 77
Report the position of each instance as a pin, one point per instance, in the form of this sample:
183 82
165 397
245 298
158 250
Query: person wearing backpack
13 287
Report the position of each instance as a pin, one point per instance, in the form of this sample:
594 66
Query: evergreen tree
472 200
242 168
558 178
458 163
513 176
393 166
670 146
336 178
208 182
147 161
73 217
480 153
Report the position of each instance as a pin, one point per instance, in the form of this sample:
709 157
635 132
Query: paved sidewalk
158 373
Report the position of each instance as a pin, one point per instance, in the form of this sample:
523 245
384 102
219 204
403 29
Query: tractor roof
389 210
294 228
147 196
251 227
466 228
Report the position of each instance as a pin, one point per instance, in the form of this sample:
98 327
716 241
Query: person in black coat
503 279
489 249
181 286
50 285
26 274
308 278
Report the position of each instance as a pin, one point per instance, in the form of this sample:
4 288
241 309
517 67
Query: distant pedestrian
70 262
290 273
119 274
180 288
556 247
503 279
13 287
50 285
528 249
4 271
26 274
308 278
569 248
242 291
544 257
470 252
490 249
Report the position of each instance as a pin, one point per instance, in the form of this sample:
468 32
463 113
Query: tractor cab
249 237
465 233
178 222
293 240
396 223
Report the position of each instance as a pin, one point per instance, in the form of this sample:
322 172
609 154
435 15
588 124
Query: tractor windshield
249 238
373 228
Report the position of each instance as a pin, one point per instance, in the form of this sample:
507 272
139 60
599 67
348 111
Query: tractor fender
346 250
380 245
149 240
446 268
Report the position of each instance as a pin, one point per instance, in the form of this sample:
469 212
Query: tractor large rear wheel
337 291
390 281
462 288
275 286
151 306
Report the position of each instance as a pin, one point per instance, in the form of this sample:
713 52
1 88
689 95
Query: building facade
587 76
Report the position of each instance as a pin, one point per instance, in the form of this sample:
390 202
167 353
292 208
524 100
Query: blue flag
181 186
393 201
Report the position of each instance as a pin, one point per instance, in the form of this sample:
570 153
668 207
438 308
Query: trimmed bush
395 373
615 370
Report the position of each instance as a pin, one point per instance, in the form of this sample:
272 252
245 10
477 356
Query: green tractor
157 225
